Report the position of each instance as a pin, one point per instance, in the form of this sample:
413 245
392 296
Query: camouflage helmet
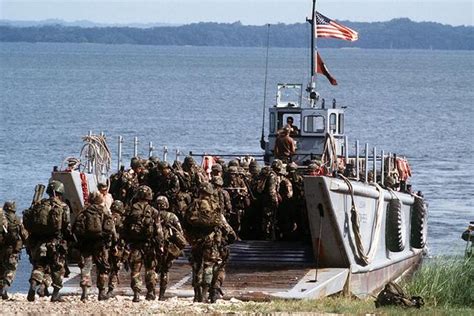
245 165
291 167
390 181
164 165
253 164
233 170
216 168
188 160
177 165
217 180
162 202
277 165
117 207
96 198
55 187
206 188
9 206
233 163
265 170
144 193
154 159
135 162
312 167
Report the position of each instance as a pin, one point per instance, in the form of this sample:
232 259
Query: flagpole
312 87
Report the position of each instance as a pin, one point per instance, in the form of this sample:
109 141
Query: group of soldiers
145 217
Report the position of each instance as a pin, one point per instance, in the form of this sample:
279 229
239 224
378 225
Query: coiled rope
364 257
329 156
97 153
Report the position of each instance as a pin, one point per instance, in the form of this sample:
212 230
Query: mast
312 85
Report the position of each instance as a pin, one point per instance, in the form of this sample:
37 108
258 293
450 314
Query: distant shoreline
394 34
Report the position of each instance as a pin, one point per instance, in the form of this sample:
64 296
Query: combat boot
56 297
150 295
136 296
161 297
32 291
110 293
197 294
205 294
213 295
3 292
102 295
84 293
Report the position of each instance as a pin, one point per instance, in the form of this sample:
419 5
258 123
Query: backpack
203 214
261 184
44 218
393 294
140 222
92 223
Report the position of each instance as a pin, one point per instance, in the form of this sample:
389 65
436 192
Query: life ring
418 224
394 238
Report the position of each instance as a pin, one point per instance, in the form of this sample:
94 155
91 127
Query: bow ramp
257 270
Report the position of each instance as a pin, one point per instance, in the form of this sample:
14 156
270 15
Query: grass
446 285
444 282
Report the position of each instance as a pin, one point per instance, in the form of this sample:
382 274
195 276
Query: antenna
262 139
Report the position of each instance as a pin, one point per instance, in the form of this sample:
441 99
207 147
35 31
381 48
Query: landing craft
364 232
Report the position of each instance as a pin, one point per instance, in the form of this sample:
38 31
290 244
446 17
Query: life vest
403 168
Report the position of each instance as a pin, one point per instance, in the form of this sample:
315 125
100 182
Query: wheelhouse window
314 124
332 123
272 123
341 124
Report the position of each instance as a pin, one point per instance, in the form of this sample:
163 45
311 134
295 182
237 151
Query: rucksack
199 215
140 222
44 218
393 295
92 223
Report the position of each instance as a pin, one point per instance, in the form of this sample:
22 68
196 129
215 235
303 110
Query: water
416 103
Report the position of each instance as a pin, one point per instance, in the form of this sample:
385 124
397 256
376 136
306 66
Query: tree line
397 34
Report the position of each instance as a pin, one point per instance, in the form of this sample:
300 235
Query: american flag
325 27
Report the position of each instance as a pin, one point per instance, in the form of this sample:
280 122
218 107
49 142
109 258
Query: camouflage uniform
12 235
239 195
225 236
168 185
298 204
94 248
271 200
118 252
174 242
222 196
201 225
48 248
145 244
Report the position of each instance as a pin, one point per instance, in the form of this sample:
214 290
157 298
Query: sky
250 12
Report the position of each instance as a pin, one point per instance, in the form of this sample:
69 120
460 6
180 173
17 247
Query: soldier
270 187
239 195
223 197
168 185
48 225
202 218
12 236
144 234
174 242
106 196
225 236
216 170
296 217
94 230
118 252
284 145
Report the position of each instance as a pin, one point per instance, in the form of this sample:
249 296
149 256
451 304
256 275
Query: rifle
249 189
39 191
